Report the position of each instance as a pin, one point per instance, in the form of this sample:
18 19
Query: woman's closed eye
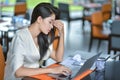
51 22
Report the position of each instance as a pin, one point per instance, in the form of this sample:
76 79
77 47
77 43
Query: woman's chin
46 32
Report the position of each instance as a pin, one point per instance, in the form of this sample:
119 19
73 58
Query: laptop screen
88 64
77 70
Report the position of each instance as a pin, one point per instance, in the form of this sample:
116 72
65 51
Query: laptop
88 64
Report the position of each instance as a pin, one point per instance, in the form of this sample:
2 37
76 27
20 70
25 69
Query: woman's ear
39 19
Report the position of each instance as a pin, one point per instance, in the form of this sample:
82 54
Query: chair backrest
97 26
55 43
114 39
115 27
106 10
20 8
64 8
2 63
114 42
97 29
97 18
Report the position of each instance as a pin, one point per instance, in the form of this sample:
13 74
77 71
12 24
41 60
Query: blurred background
90 26
79 20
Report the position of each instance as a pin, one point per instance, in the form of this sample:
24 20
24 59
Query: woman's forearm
58 55
60 49
23 71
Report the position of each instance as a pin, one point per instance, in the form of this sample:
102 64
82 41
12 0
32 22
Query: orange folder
46 77
84 74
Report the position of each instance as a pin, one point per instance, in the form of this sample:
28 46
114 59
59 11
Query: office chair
65 14
2 64
27 15
114 39
55 43
20 9
97 28
106 11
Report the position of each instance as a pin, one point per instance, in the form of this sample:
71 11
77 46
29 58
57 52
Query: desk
111 72
78 77
47 77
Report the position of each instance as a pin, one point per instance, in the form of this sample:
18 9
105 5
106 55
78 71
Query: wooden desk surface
43 76
112 72
46 77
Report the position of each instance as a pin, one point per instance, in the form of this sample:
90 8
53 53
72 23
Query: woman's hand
61 70
60 26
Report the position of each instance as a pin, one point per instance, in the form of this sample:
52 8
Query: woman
31 46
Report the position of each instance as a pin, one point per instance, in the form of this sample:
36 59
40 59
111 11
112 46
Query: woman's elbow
17 75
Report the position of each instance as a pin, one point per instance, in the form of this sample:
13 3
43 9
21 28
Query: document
73 62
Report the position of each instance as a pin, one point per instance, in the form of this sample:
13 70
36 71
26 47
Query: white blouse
22 52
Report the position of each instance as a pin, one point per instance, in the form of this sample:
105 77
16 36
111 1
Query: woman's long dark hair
44 10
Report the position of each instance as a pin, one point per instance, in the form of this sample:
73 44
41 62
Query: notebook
88 64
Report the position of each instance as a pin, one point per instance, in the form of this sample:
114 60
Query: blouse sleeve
16 53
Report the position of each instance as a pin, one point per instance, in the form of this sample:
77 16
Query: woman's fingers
58 24
62 70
